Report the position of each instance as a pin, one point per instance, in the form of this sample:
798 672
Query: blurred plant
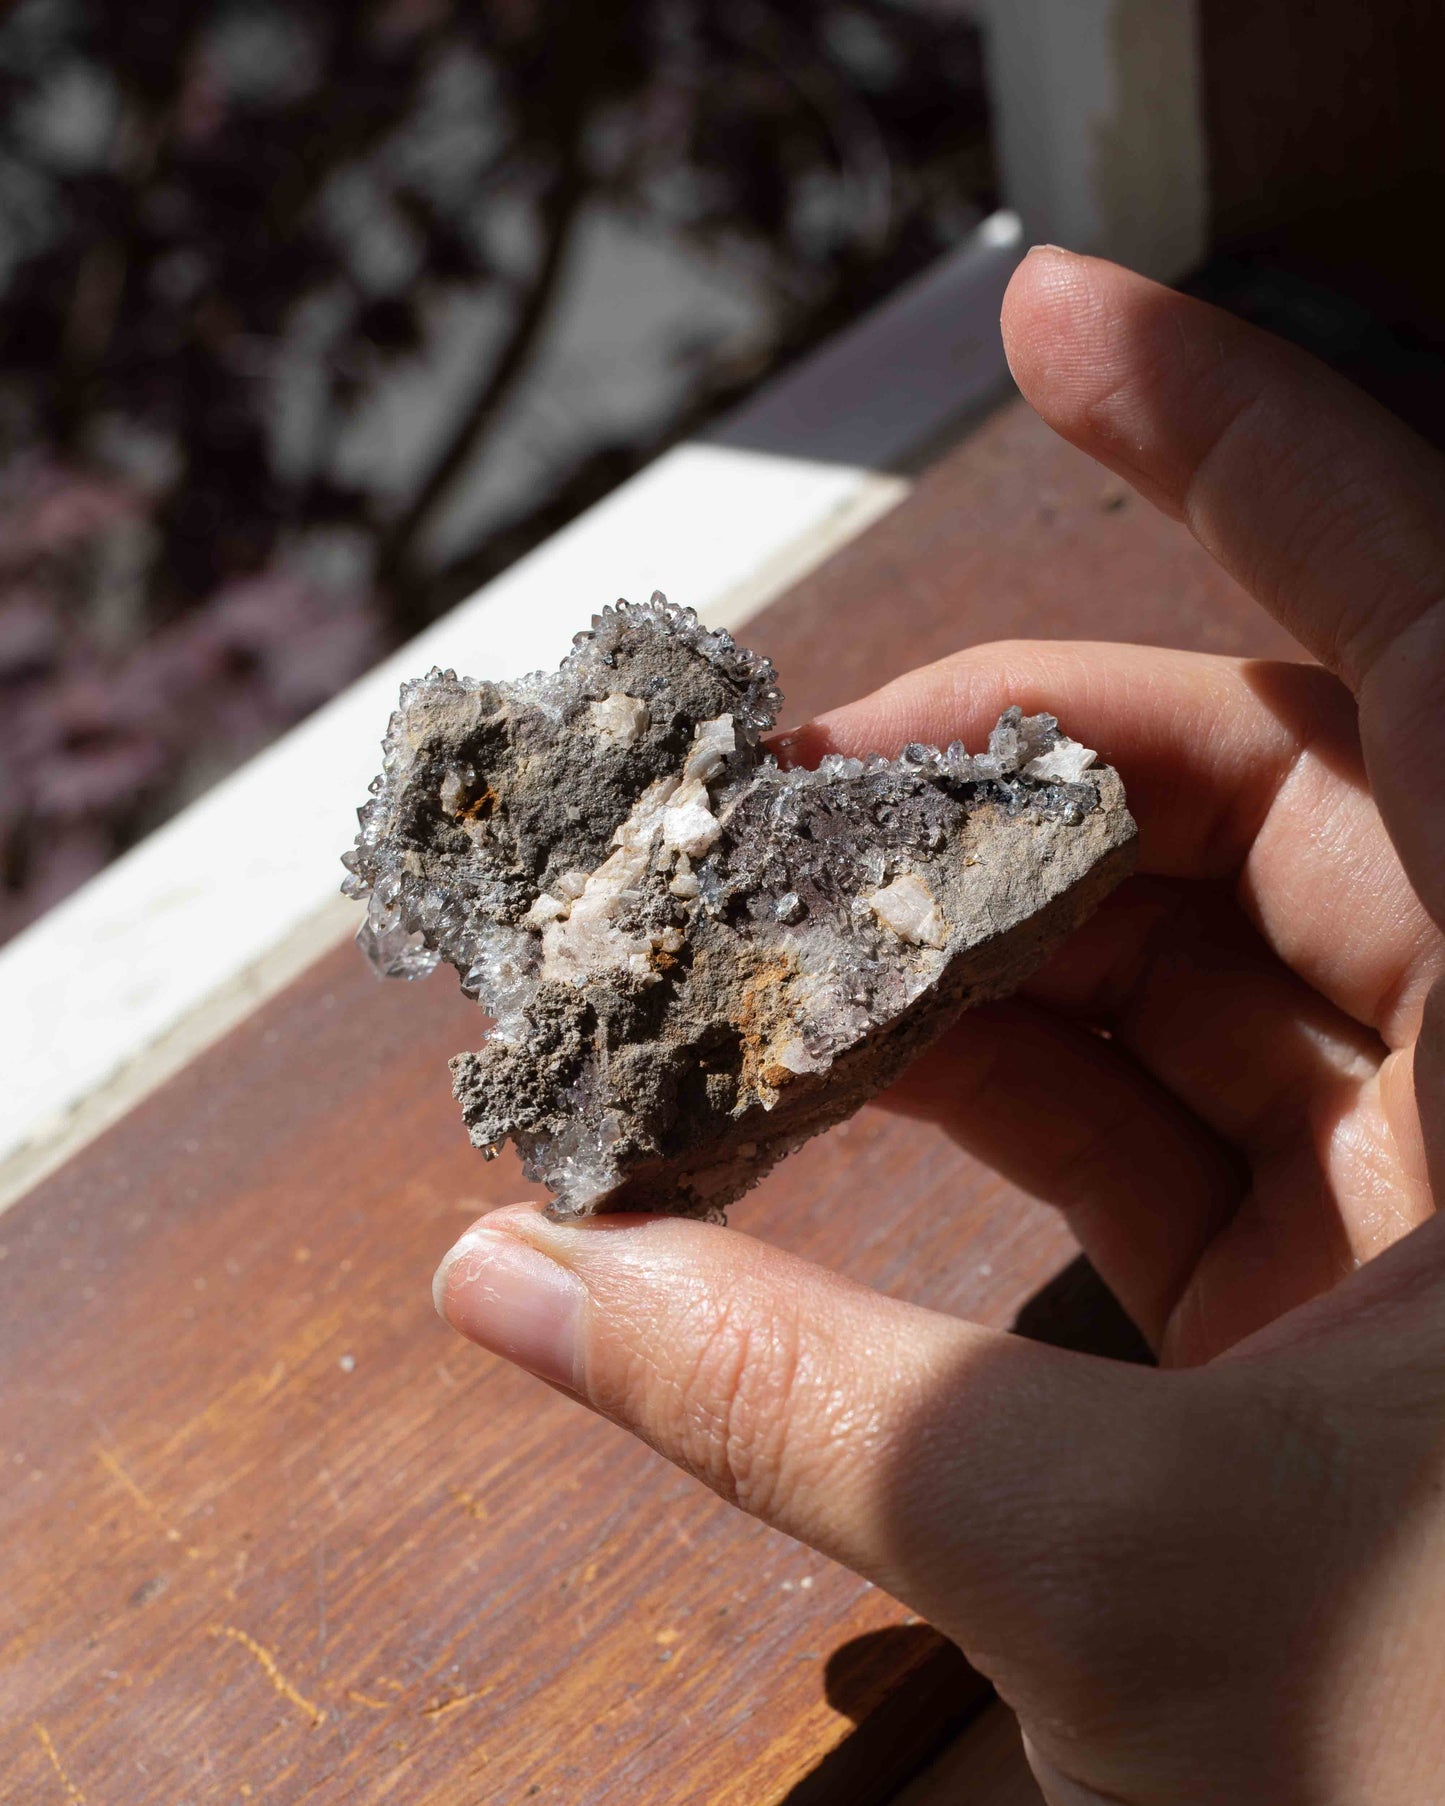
224 225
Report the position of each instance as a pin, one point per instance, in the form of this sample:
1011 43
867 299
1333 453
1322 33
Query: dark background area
315 315
1326 161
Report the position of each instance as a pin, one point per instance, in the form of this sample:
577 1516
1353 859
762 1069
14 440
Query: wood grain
269 1532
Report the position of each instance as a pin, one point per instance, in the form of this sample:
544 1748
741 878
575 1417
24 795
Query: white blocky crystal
688 824
910 909
684 882
455 788
546 909
590 943
622 720
1064 763
714 743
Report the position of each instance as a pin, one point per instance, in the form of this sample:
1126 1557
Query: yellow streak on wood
443 1706
254 1388
111 1464
365 1699
47 1743
272 1670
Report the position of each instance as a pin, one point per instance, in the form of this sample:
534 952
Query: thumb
961 1469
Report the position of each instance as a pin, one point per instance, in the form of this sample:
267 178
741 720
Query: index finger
1235 769
1327 509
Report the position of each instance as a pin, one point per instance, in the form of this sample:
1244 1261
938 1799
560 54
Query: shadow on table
909 1691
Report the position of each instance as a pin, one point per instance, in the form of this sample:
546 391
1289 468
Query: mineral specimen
695 959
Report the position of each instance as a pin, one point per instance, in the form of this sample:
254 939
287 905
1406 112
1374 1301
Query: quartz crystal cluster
694 958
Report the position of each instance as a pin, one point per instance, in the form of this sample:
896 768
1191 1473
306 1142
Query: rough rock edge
446 877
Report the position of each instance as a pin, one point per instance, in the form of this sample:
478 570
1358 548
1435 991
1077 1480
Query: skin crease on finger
1223 1584
1326 508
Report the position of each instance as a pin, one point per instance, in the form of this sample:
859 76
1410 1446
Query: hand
1223 1580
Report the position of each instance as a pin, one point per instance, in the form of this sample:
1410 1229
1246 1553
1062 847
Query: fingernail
1043 246
500 1292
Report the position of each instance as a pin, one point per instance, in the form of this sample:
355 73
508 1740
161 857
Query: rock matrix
694 958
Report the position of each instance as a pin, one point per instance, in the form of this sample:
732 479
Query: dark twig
559 212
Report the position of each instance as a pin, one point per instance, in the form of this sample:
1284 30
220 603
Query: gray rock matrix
694 958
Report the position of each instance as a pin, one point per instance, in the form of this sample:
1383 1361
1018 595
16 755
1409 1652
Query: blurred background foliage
313 316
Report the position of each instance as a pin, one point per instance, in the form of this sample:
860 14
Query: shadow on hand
1176 1577
908 1689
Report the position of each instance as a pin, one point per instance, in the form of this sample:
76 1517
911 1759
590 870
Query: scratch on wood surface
243 1559
47 1743
272 1670
469 1503
255 1387
440 1708
111 1463
365 1699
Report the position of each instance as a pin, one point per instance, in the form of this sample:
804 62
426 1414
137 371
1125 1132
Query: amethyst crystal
695 959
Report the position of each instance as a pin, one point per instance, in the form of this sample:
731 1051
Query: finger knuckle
732 1405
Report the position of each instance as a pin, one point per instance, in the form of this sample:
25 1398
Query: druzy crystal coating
694 958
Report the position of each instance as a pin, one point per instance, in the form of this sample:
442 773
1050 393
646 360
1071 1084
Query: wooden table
269 1532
